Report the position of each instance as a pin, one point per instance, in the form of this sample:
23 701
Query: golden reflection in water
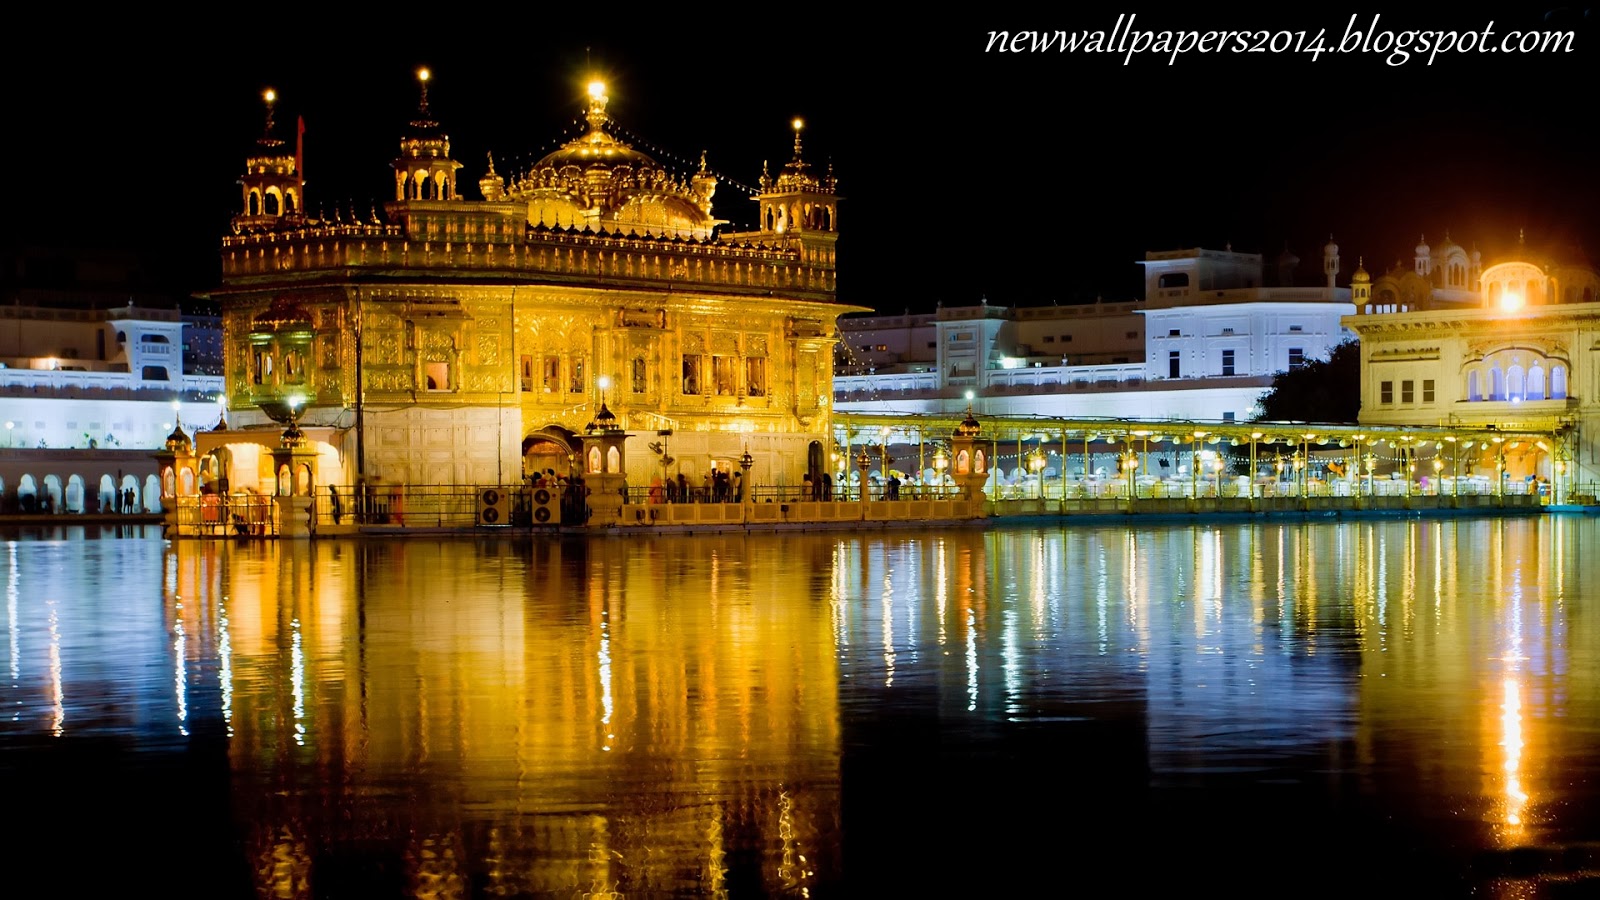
1516 799
610 739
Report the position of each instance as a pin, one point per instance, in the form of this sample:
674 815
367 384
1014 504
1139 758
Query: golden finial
271 98
491 164
597 104
798 123
422 78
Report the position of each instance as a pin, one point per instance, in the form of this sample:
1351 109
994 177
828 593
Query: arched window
1558 382
1535 386
152 494
594 460
1514 383
978 463
253 204
613 460
1497 384
963 463
271 204
1474 391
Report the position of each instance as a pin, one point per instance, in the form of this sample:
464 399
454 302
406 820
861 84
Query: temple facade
1448 340
449 339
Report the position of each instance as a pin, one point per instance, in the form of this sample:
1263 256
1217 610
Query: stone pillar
294 467
605 468
971 466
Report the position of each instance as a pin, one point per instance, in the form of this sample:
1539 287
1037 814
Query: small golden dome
177 441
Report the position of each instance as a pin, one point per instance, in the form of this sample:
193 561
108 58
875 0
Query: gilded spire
270 96
798 124
596 115
422 79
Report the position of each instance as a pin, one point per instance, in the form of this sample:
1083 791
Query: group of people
817 489
717 486
123 502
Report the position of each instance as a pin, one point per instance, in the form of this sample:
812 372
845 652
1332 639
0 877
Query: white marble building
107 378
1203 344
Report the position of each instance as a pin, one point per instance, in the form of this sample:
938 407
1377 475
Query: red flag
300 155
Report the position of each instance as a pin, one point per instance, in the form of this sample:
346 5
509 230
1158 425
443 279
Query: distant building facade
1203 344
89 357
1448 340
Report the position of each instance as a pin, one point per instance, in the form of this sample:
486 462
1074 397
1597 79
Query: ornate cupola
272 190
424 170
1361 286
797 200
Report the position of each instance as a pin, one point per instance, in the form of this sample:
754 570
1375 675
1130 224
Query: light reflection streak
887 614
607 701
1037 598
1011 662
1130 552
1102 597
841 635
941 595
972 661
1511 741
297 682
11 627
1438 568
225 663
57 691
180 680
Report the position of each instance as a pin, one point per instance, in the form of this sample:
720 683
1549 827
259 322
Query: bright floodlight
271 95
799 123
969 395
423 74
604 381
1511 302
597 89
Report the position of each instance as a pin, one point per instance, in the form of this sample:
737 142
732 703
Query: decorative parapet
772 266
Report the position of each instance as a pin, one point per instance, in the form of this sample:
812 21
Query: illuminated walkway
1076 462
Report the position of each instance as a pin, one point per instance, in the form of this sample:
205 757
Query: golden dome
178 441
1360 276
599 181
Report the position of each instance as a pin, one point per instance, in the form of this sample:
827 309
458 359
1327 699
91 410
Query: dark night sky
1025 178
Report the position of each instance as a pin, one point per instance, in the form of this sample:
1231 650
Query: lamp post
1130 468
941 461
1036 465
863 465
1372 463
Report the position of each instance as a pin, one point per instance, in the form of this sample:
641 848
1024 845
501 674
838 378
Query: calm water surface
1374 708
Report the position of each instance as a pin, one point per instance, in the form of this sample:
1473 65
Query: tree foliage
1322 390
